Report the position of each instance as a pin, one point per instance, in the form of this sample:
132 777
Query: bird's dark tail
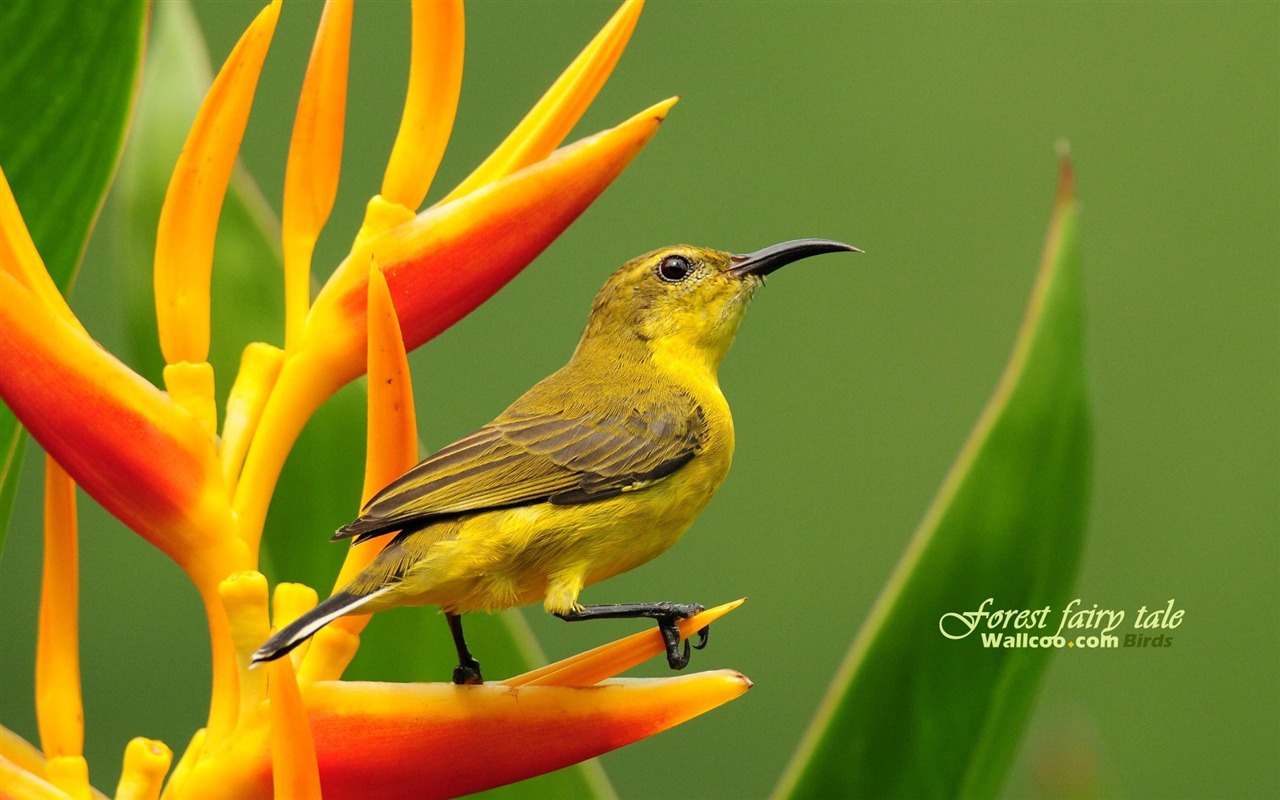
305 626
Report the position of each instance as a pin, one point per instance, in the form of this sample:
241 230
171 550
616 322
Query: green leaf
67 79
14 440
68 71
913 713
319 488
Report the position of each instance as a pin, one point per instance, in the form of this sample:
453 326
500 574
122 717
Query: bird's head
689 300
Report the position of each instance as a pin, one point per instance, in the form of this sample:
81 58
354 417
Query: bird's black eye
674 269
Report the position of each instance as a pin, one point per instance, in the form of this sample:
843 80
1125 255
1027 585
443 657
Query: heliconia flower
154 458
441 740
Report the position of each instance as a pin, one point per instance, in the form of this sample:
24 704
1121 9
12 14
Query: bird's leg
666 614
468 669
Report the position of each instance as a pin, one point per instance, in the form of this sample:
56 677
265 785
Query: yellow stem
59 711
303 386
71 775
244 596
259 369
21 753
295 774
224 702
17 783
328 654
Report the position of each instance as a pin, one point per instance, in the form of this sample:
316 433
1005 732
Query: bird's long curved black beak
774 257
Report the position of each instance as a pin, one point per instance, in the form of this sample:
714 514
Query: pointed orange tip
392 430
656 112
606 661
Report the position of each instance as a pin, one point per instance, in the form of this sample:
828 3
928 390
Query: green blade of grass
913 713
68 72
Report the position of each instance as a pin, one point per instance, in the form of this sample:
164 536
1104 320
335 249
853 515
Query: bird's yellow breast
505 558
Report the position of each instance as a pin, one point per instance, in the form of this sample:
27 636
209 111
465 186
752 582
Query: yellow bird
592 472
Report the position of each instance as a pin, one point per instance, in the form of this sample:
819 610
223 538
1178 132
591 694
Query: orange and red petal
377 740
448 260
134 450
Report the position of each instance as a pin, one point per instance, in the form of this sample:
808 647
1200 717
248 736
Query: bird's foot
672 613
667 615
468 673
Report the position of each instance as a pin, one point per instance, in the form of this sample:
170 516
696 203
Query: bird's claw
677 656
703 635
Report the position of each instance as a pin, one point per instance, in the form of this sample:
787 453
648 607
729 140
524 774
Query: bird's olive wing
608 456
526 457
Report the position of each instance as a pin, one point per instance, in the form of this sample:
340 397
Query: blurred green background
925 134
